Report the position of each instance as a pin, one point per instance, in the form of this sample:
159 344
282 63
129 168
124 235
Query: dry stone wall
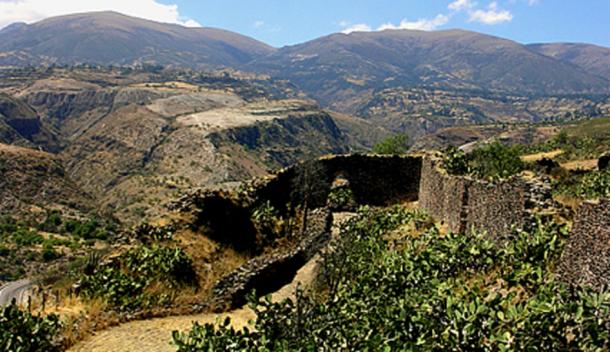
464 203
586 256
268 273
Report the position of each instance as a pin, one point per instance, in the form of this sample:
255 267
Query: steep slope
32 180
340 66
592 58
113 38
20 124
136 159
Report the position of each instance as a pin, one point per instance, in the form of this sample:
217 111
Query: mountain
113 38
592 58
339 66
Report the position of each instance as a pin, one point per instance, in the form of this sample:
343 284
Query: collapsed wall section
585 258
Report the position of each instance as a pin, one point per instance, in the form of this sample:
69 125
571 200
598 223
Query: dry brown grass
540 156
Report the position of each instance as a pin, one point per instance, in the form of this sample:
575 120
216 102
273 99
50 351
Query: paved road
15 289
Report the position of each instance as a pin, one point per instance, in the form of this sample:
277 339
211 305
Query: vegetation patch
140 278
493 161
21 331
425 291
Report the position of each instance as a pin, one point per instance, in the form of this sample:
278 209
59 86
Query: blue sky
282 22
286 22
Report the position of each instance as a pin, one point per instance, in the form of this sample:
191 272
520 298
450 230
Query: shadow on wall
374 180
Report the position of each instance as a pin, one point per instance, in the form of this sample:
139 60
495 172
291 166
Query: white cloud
459 5
35 10
359 27
258 24
423 24
493 15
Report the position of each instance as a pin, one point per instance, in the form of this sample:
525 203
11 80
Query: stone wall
586 257
374 180
463 203
268 273
443 196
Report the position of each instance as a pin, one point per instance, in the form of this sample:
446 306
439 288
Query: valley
398 187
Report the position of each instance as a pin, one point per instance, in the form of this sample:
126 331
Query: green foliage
147 233
23 332
49 253
436 293
89 230
123 283
24 237
456 162
4 251
496 161
341 198
394 145
52 223
265 216
592 185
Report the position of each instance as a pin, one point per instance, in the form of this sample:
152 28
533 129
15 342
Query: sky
288 22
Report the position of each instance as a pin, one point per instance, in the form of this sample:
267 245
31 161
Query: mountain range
329 68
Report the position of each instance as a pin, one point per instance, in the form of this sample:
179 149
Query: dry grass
587 165
540 156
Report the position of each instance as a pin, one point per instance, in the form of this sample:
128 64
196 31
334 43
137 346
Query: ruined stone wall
267 274
586 259
496 208
443 196
464 203
373 179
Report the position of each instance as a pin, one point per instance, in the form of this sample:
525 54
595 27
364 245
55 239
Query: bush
4 251
496 161
24 237
49 253
123 284
456 292
395 145
456 162
20 331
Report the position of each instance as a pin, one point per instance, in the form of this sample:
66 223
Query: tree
310 188
394 145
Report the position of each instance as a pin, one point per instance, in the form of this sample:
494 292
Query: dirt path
17 290
155 335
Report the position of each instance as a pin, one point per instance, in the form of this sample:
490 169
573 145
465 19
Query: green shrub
395 145
456 292
456 162
21 331
4 251
24 237
49 253
123 283
52 223
496 161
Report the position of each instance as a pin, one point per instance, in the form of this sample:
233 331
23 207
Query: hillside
136 139
338 66
113 38
592 58
32 182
